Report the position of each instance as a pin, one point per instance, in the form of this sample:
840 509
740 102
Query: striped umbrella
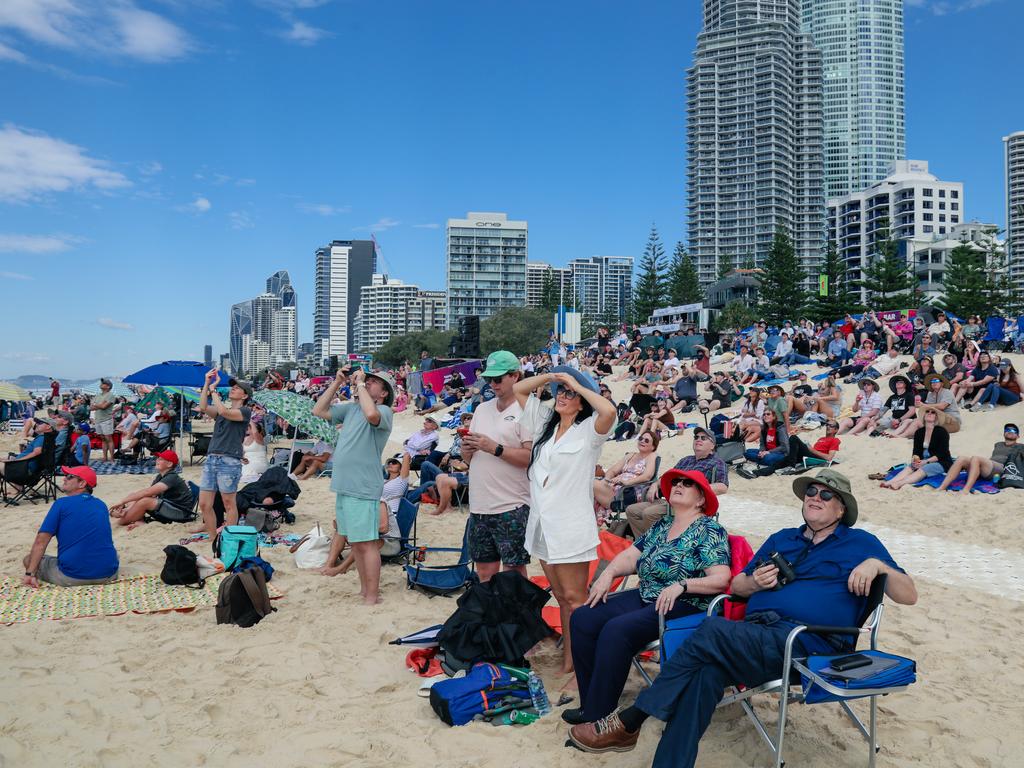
12 392
297 411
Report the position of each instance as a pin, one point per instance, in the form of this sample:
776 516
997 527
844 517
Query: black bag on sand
243 598
1013 470
180 567
167 513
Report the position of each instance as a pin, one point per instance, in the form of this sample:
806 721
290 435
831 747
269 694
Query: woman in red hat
682 561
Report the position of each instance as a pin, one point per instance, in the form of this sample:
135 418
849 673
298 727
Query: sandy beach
317 684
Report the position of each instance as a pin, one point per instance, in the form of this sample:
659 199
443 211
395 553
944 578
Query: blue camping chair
995 337
406 516
1019 334
771 343
808 679
443 579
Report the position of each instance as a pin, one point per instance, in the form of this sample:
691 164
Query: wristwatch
685 588
499 449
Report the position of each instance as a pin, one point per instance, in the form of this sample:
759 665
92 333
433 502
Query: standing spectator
103 409
54 391
223 466
367 426
562 530
497 450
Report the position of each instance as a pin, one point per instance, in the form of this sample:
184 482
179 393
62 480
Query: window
927 192
928 228
928 217
942 193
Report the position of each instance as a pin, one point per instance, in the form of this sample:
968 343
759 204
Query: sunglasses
568 394
701 436
687 482
494 379
824 493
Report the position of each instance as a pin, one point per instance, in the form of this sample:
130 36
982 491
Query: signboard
823 285
663 327
678 310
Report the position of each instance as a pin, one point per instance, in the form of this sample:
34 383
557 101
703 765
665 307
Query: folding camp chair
406 515
807 682
994 339
443 579
199 446
13 426
36 484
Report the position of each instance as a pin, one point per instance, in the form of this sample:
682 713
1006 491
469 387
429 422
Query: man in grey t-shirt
980 467
357 478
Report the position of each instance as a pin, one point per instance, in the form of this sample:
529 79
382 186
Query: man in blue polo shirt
85 546
834 566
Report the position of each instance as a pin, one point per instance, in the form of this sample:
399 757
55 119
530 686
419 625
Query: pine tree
1000 295
549 294
649 293
966 283
840 300
683 282
725 266
781 294
888 281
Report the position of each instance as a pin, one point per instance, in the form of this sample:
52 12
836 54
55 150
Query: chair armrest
817 629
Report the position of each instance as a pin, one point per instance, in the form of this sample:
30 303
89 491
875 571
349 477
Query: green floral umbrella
297 411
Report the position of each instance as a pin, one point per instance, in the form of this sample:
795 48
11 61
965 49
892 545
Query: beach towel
139 594
982 485
117 468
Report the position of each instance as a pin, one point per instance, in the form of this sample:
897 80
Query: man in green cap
833 565
498 453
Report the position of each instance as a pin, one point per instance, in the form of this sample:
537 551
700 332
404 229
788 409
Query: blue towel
982 485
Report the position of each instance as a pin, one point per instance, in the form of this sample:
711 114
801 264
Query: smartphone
462 431
852 661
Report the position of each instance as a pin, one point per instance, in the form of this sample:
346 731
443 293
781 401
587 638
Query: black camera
786 572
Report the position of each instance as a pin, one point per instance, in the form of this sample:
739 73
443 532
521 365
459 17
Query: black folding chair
35 484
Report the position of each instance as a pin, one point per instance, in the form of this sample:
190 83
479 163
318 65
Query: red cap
86 474
710 499
168 455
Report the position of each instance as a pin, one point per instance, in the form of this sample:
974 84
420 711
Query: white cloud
114 325
323 209
36 243
33 164
302 33
240 220
9 54
426 226
109 27
199 205
381 224
151 168
29 357
15 276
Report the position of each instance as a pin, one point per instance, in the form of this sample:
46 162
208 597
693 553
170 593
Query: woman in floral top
682 561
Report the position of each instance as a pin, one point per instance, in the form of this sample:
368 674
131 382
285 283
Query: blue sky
160 158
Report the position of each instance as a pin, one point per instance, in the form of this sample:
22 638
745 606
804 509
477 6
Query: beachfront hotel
1014 148
343 267
486 265
390 307
754 136
861 43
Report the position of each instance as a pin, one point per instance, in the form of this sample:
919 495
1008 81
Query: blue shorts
358 519
932 468
221 473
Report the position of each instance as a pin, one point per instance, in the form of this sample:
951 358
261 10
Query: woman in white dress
561 530
254 454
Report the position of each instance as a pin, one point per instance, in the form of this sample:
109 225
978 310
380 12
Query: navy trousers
415 494
429 471
720 653
604 641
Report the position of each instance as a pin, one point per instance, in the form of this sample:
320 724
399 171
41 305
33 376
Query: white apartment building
283 336
255 355
931 259
486 265
910 204
389 307
1014 148
602 285
536 274
861 42
342 268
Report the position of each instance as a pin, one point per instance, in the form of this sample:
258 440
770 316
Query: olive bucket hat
834 481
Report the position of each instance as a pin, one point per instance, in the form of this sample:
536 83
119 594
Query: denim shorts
221 473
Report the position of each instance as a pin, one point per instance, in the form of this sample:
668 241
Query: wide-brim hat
388 382
863 382
585 380
710 497
927 380
899 377
836 482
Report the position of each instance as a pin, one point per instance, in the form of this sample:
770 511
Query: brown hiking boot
605 735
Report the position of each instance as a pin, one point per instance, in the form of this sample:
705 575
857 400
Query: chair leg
783 706
643 672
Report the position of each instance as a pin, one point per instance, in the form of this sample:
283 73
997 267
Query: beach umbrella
117 389
297 411
12 392
179 373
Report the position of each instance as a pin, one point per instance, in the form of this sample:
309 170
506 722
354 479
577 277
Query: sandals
877 476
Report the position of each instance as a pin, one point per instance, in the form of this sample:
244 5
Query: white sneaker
990 406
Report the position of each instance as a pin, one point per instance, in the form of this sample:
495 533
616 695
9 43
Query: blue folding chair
770 344
442 579
995 337
406 515
810 680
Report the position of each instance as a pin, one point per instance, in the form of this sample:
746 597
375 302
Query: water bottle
538 694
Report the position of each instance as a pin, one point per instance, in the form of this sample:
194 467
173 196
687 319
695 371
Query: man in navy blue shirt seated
85 546
834 566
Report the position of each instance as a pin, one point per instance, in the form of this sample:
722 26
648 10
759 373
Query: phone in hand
462 431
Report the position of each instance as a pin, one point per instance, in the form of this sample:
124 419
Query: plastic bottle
538 694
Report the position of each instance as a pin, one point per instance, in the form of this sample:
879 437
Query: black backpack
1013 470
180 567
243 598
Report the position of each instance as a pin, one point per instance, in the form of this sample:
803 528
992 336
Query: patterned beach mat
117 468
139 594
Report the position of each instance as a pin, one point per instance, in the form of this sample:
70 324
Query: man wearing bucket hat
358 481
85 544
832 564
497 449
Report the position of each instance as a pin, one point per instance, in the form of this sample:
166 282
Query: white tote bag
313 550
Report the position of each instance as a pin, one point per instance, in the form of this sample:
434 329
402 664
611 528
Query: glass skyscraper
754 134
861 42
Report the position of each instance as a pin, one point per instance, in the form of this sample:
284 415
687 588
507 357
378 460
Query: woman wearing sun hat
681 561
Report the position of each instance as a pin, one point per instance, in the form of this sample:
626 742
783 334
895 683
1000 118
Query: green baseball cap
500 363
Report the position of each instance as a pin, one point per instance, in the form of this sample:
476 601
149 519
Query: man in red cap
167 489
85 546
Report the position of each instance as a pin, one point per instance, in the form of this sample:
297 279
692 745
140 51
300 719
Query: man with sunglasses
834 564
498 453
979 467
644 514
